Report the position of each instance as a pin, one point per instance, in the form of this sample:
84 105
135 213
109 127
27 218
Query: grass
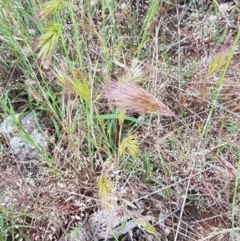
139 101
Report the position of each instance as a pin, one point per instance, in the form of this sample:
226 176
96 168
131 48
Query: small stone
24 146
167 232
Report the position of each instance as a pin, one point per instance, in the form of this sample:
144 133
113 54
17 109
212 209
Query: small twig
183 204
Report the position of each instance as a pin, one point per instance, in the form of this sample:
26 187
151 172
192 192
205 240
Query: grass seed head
129 144
106 192
121 117
134 74
74 83
47 43
50 7
220 59
135 99
146 226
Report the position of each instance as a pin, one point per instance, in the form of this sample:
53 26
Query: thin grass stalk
77 36
147 21
234 201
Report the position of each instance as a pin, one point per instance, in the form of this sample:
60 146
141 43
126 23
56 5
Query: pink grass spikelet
133 98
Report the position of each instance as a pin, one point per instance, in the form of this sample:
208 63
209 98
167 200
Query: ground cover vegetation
114 109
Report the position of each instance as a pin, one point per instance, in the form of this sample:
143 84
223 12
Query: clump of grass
87 137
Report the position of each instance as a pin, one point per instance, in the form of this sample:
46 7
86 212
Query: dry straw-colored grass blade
133 98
